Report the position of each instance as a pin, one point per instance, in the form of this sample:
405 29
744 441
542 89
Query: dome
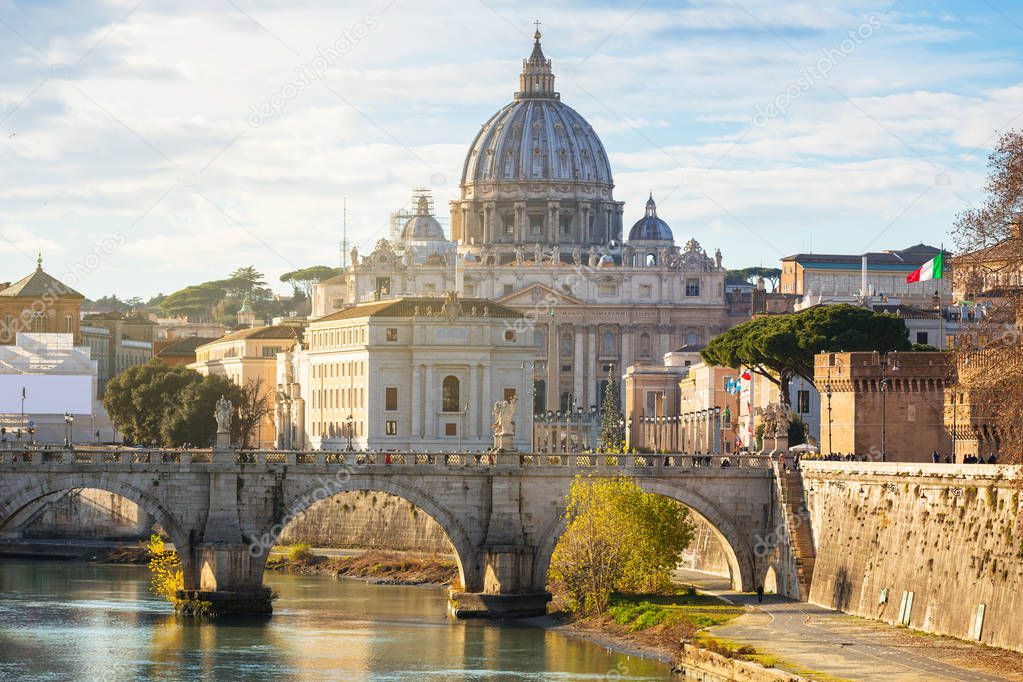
422 227
537 136
650 227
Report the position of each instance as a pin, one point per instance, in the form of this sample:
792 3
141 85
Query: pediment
535 293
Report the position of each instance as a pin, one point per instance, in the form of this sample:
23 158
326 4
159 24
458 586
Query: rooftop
422 307
38 284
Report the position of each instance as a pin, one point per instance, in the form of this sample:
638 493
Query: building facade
409 373
247 358
876 277
538 229
117 342
38 303
888 407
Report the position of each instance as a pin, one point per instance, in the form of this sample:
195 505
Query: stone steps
799 527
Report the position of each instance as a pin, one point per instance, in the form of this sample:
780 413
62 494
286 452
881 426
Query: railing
326 458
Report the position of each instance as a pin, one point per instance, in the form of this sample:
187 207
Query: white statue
504 417
223 415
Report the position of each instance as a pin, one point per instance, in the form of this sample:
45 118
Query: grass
744 652
299 553
643 611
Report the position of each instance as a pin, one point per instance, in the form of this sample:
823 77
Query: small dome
650 227
606 261
422 227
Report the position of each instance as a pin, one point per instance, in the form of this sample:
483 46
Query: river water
72 621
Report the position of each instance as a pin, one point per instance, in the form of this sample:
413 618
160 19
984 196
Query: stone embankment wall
936 547
83 514
367 520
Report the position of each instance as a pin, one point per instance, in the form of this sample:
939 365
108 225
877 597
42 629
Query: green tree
190 420
780 347
302 280
752 274
137 399
617 537
194 302
611 437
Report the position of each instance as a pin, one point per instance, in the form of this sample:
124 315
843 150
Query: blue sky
138 155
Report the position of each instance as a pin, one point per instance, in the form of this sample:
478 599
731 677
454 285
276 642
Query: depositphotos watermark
820 70
311 72
327 488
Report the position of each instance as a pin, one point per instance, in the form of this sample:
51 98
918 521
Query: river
74 621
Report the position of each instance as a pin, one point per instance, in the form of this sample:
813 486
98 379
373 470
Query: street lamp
885 385
69 421
349 423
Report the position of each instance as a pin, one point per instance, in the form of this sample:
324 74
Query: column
625 357
474 400
577 366
553 370
554 230
430 402
415 403
487 395
593 372
521 227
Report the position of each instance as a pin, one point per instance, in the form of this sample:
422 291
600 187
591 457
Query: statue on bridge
504 424
776 419
222 413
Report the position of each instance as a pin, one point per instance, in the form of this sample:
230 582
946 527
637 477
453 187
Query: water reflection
75 621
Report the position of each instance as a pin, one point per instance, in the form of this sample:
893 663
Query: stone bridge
224 509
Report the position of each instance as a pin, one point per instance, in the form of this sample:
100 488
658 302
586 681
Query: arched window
644 345
449 394
692 339
39 322
7 331
651 260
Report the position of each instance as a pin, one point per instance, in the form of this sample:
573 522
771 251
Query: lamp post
69 421
885 385
349 423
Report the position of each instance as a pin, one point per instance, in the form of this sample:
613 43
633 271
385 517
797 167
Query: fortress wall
944 540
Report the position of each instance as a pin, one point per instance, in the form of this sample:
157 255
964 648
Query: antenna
344 234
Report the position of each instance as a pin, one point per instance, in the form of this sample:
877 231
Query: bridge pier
508 590
228 581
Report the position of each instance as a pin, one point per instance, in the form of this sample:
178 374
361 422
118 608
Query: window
566 369
607 343
651 260
540 339
508 221
7 332
644 345
383 285
70 327
536 224
539 396
645 291
607 289
803 402
449 395
566 224
921 337
509 393
271 351
391 427
692 286
391 398
566 345
508 288
391 334
39 322
450 429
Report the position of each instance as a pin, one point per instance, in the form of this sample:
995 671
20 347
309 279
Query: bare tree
251 409
987 403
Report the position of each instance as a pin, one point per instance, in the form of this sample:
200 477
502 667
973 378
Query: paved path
829 642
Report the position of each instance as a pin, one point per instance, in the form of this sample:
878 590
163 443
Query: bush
299 553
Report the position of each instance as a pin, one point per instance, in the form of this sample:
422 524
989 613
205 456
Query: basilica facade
537 229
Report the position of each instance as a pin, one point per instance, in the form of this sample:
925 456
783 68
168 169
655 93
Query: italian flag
930 270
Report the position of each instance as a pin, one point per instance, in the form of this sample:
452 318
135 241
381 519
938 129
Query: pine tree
612 431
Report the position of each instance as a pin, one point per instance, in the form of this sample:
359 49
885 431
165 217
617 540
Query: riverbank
95 551
669 628
375 566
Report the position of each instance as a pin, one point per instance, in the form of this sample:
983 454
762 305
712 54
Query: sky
146 146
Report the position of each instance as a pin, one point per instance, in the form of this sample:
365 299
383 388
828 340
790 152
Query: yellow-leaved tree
166 576
617 537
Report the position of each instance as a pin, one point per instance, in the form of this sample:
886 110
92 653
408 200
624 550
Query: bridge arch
44 485
737 548
466 555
